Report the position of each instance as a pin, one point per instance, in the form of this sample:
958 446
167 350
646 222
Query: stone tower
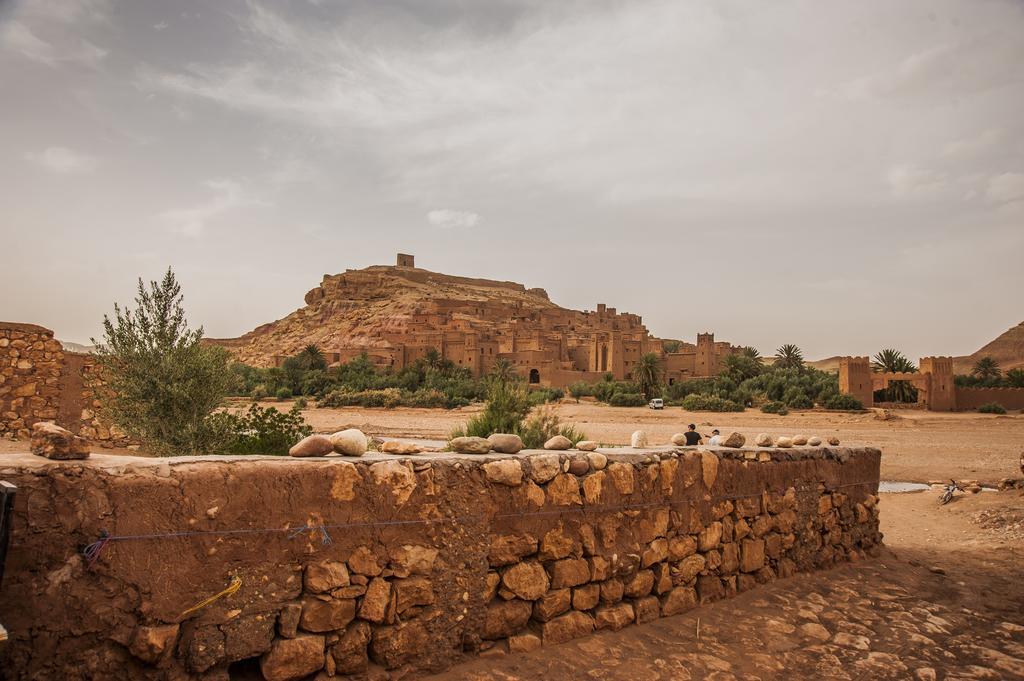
855 379
705 363
406 260
941 390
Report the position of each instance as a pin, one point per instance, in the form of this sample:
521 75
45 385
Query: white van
656 403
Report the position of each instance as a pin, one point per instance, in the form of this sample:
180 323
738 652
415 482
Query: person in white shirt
716 439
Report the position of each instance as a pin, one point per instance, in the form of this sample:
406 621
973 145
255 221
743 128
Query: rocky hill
1007 349
371 307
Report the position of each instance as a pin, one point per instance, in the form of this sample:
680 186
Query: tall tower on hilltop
406 260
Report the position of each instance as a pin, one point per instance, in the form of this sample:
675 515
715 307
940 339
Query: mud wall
972 398
391 566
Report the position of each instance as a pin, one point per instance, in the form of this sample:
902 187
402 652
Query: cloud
19 38
62 160
452 219
1006 188
193 221
911 181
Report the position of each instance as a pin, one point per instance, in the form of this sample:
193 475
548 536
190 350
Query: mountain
1007 349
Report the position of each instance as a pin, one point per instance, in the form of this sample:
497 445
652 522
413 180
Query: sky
845 176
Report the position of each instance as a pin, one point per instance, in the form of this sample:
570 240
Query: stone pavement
885 618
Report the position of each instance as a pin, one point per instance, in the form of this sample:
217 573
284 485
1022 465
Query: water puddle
896 486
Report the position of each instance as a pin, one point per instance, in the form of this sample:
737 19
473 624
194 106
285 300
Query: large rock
543 467
54 442
505 472
510 548
709 468
349 652
558 442
470 445
527 580
326 576
734 440
799 440
330 615
679 440
411 559
505 443
564 490
814 441
504 618
613 617
313 445
394 646
784 442
586 445
567 627
401 448
375 603
638 440
763 440
834 441
396 476
293 658
350 442
680 599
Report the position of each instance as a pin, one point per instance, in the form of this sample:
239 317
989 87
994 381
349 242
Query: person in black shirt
692 436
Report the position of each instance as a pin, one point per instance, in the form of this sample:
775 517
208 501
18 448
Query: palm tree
312 357
503 371
986 368
892 361
647 374
751 352
433 359
789 356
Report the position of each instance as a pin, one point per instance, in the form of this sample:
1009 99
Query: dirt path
944 601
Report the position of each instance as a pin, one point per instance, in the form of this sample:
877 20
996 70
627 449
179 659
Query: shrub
841 401
697 402
539 428
992 408
775 407
300 403
627 400
259 392
283 394
506 409
389 398
259 430
545 395
163 381
580 389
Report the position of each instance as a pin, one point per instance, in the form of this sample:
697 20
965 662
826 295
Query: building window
534 376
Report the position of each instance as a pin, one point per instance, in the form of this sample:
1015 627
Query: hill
399 314
1007 349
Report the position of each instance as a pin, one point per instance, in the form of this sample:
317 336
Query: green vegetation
647 374
698 402
671 345
992 408
507 410
775 407
891 360
789 356
259 431
164 382
986 368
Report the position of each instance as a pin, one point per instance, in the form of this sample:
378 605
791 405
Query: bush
992 408
259 393
848 402
697 402
389 398
775 407
627 400
283 394
300 403
545 395
259 430
163 382
506 409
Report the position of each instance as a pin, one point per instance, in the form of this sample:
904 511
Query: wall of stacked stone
30 373
972 398
39 381
394 566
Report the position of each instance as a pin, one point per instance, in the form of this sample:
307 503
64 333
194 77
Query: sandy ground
917 445
945 599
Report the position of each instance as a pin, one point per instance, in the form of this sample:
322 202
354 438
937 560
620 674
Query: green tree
751 352
312 358
1015 378
671 345
789 356
647 374
579 389
433 359
889 361
503 370
164 382
741 367
986 368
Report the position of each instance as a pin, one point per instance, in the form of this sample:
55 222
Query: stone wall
395 566
31 362
39 381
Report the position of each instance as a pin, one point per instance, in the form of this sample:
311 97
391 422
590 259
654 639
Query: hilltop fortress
397 314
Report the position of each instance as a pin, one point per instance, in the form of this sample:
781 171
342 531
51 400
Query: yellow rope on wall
235 585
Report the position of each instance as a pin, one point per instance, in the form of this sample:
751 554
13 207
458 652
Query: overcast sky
841 175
